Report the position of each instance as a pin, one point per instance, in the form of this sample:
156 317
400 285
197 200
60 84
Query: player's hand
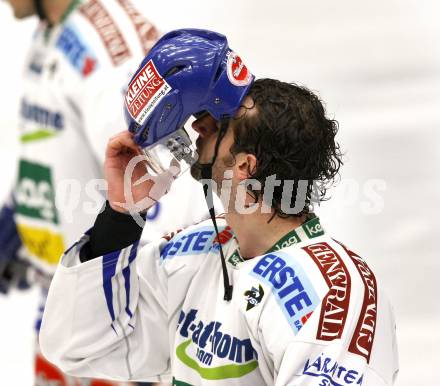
130 187
121 149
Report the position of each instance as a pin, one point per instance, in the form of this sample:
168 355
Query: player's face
22 8
208 129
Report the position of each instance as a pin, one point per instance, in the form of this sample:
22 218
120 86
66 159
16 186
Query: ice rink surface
377 66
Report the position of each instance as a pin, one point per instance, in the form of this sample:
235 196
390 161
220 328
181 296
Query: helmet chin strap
40 9
206 173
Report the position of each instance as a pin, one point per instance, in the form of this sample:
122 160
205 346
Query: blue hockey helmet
186 72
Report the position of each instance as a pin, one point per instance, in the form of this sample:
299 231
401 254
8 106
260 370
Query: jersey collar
49 27
73 4
309 230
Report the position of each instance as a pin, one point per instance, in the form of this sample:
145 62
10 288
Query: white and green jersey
307 312
74 82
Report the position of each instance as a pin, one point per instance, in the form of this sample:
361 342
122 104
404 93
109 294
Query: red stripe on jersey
363 336
224 236
146 31
108 31
335 304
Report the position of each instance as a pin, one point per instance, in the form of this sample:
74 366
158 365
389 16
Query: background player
81 57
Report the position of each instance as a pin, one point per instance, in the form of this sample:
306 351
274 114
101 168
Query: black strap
40 9
206 173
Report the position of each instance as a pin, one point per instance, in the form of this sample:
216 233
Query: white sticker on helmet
145 91
238 73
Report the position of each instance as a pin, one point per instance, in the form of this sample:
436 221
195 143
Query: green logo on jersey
35 206
34 193
313 228
214 373
180 383
209 344
235 259
38 135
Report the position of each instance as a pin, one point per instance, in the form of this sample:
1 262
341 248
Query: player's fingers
124 136
121 143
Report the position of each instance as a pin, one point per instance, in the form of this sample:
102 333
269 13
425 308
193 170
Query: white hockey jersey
308 312
74 82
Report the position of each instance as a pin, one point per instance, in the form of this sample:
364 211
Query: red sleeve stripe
335 304
363 336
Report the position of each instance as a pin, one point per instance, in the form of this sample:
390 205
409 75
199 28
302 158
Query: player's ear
245 164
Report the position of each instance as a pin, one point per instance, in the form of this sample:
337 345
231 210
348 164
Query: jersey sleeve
108 317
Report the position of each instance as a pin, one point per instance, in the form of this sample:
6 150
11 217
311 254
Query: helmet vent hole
218 73
174 70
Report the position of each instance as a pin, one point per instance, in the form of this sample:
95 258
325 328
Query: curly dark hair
292 139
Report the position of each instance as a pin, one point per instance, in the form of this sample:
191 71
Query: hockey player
81 57
268 298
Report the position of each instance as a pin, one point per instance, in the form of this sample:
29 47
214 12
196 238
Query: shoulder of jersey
323 272
109 33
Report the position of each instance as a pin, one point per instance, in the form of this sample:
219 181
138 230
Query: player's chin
20 13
